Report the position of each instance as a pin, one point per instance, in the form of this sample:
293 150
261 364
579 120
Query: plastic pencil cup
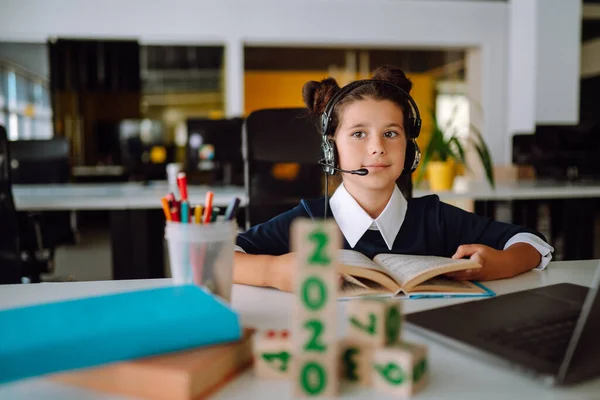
202 255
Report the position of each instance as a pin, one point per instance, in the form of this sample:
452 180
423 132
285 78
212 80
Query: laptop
549 333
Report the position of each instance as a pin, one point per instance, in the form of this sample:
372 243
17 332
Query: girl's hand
490 260
496 264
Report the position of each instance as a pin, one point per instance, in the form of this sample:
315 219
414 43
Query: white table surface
524 190
111 196
135 195
453 375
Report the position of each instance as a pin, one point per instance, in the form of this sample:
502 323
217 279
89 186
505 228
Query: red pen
176 211
182 184
208 207
171 199
175 214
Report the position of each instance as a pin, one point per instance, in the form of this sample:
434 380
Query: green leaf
443 147
486 161
484 155
460 151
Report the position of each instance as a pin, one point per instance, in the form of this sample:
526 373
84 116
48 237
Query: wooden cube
273 354
313 323
375 321
356 361
400 370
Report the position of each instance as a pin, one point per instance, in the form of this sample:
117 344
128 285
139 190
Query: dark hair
316 95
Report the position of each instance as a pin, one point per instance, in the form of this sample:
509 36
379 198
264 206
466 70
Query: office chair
10 262
281 151
24 255
38 233
38 162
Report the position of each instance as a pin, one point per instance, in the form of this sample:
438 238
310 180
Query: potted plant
445 151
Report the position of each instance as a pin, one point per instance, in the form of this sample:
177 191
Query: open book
405 276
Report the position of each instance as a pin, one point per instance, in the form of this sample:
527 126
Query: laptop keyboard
543 339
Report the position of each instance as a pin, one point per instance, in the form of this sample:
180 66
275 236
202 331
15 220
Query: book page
349 280
447 285
410 270
352 290
356 259
361 267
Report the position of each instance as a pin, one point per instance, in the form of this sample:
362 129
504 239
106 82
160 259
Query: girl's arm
264 270
496 264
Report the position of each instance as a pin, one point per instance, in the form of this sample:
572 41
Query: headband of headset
414 125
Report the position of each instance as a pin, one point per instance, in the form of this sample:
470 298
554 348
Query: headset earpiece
412 157
329 155
414 127
413 154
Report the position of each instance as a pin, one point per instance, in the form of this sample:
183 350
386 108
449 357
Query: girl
372 127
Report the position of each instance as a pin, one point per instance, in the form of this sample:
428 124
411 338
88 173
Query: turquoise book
71 334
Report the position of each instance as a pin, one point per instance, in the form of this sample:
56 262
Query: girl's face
371 135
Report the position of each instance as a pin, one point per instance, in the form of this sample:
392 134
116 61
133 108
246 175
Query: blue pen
185 211
232 208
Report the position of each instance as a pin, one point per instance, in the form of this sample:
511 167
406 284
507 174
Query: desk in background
522 190
564 212
453 375
137 222
136 218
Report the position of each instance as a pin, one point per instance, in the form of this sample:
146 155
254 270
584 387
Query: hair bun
393 75
316 95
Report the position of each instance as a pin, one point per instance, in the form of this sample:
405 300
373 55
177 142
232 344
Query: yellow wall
271 89
423 92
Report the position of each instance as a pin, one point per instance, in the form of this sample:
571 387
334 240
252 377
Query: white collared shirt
354 222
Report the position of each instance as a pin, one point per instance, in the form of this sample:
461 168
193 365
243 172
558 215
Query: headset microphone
362 171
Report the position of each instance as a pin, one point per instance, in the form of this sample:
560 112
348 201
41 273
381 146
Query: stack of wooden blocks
372 354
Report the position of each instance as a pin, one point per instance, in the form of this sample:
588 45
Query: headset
329 160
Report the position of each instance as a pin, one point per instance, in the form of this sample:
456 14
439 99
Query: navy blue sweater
430 227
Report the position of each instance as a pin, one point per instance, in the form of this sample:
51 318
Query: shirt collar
354 221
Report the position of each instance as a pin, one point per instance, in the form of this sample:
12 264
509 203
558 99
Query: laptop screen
583 353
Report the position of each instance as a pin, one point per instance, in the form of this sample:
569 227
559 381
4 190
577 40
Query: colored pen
208 207
170 198
175 214
185 211
215 214
166 208
182 184
198 214
231 210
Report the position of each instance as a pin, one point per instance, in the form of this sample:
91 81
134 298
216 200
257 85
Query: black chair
40 161
10 261
24 255
274 138
38 233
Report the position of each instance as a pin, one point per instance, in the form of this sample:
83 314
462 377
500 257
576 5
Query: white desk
453 375
525 190
575 214
135 195
135 213
113 196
